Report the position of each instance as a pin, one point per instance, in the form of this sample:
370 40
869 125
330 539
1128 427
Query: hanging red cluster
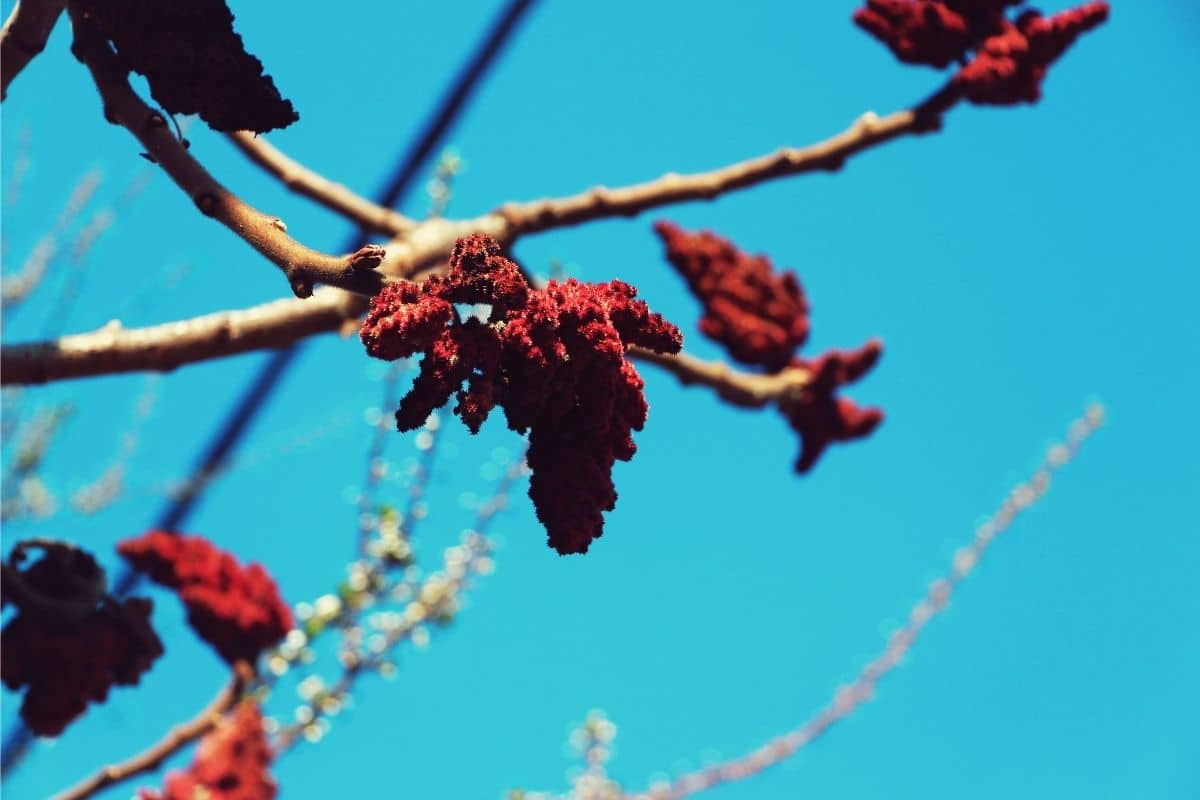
235 609
1010 58
761 317
70 642
231 763
758 314
552 358
66 667
821 417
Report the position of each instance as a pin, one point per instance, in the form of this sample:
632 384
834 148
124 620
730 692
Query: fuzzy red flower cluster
231 763
552 358
821 417
235 609
1010 58
758 314
761 317
69 643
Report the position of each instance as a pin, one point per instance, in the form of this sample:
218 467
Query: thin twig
176 739
422 247
24 35
867 131
303 266
334 196
748 389
848 698
17 287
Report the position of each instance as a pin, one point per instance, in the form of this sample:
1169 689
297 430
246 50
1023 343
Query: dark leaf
194 61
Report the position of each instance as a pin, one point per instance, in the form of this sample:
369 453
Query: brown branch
425 247
175 739
113 349
430 241
748 389
333 196
160 348
303 266
866 132
24 35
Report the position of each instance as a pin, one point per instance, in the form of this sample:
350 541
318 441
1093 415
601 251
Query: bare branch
431 240
176 739
303 266
24 35
748 389
425 247
867 131
333 196
113 349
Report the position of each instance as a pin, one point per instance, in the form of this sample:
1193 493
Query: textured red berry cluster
553 358
231 763
761 317
235 609
758 314
1003 60
66 648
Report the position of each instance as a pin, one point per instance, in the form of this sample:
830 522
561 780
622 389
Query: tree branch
175 739
24 35
333 196
430 241
302 265
866 132
161 348
747 389
113 349
424 247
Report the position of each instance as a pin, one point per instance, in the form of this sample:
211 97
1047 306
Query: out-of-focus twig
175 740
81 246
18 287
436 600
848 698
19 168
101 493
24 493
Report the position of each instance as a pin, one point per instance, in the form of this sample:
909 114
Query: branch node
300 287
867 121
367 257
207 203
280 224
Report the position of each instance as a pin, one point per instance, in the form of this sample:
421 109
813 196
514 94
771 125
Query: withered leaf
194 61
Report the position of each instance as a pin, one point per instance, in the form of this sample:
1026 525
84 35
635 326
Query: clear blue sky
1015 265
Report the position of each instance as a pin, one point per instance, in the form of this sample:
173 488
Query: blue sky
1016 265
